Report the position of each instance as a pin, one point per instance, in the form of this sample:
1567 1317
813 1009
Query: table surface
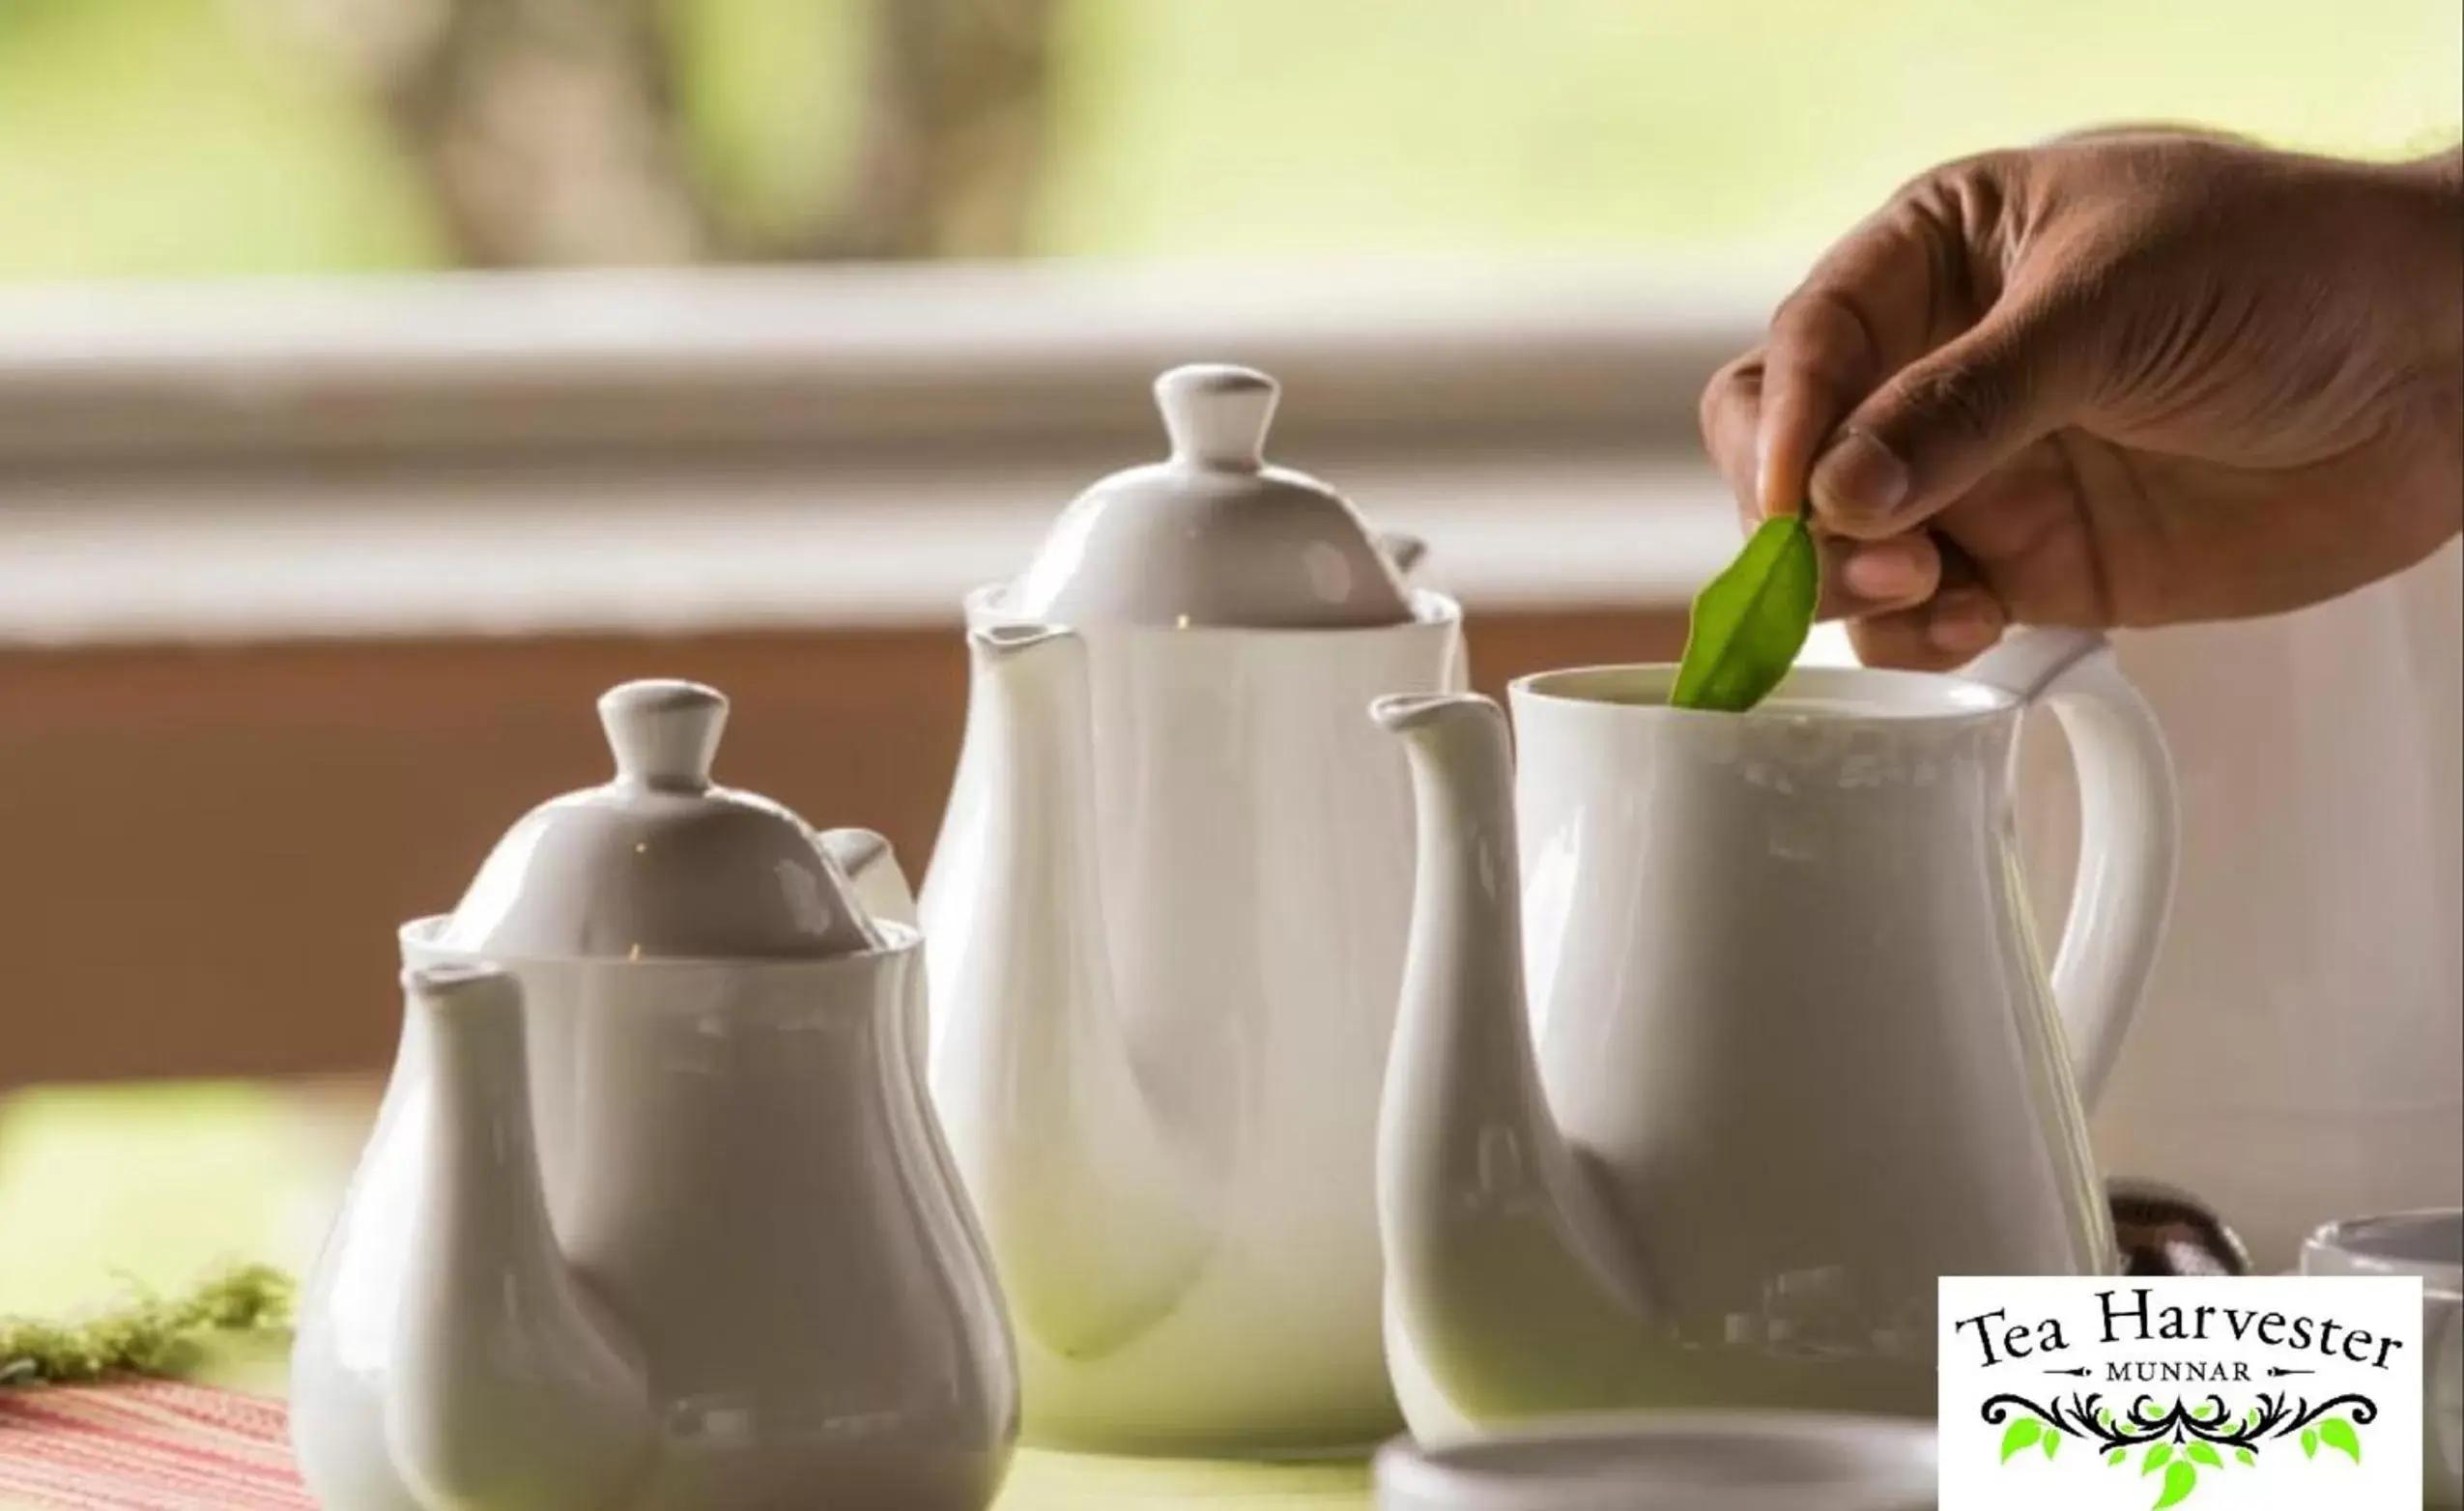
157 1184
1038 1481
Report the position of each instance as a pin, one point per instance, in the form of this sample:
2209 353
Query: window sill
725 451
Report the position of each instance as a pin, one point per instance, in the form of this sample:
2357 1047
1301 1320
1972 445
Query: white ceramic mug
1714 1461
2430 1245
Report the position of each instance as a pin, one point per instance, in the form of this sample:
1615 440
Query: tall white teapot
1167 922
654 1216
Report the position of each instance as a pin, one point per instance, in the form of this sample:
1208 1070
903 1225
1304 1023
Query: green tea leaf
1751 621
2052 1444
2113 1459
2179 1481
2157 1458
2309 1442
2338 1434
2021 1436
2245 1455
2206 1454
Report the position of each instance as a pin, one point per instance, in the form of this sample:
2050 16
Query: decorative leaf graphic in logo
2180 1440
2338 1434
2023 1433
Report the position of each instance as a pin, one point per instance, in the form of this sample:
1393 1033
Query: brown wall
204 852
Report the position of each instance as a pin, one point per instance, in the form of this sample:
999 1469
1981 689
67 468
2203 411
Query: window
248 136
428 518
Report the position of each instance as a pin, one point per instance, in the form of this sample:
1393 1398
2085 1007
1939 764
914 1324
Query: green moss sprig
146 1333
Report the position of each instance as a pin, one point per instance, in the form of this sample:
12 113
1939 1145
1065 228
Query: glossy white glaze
1215 535
2428 1246
511 1387
659 1234
659 863
1790 1052
735 1162
1167 919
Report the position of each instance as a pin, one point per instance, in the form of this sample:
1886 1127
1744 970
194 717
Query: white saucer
1716 1461
2428 1245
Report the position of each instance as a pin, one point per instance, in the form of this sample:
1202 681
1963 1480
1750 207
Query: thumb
1950 417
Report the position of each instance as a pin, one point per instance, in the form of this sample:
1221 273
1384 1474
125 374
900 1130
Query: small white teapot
655 1216
1166 920
1797 1056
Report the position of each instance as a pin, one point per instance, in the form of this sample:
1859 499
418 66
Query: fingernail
1965 624
1762 471
1883 574
1859 478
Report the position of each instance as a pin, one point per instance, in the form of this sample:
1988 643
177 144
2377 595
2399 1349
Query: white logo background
2181 1468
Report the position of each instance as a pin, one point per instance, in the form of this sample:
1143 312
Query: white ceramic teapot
1797 1053
655 1216
1166 921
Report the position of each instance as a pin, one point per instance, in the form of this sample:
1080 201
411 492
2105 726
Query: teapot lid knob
1216 415
663 863
663 733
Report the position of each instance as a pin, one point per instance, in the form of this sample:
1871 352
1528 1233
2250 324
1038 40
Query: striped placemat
153 1446
145 1445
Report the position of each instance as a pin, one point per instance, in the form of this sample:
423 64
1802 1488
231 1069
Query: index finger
1872 305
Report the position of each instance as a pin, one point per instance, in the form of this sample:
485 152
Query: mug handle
2129 833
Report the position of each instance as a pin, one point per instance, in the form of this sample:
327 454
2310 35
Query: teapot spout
1098 1221
1504 1260
509 1385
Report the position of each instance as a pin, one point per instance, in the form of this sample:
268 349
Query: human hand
2133 377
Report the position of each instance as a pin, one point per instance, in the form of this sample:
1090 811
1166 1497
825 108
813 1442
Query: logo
2278 1394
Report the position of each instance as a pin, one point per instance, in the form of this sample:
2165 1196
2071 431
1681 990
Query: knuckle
1963 402
1963 216
1739 386
1826 336
1961 192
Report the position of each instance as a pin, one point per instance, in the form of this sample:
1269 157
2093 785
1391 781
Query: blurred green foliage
152 1184
207 136
166 138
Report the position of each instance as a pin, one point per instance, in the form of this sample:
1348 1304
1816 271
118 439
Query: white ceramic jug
1166 920
655 1216
1797 1052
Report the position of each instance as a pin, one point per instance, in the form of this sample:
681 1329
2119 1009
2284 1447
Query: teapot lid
660 864
1214 535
